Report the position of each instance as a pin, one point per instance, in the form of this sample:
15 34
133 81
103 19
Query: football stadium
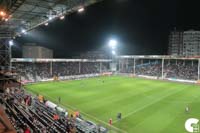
92 93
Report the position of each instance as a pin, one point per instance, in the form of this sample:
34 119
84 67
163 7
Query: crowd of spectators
45 70
150 69
90 67
126 66
177 69
181 70
65 68
28 114
31 71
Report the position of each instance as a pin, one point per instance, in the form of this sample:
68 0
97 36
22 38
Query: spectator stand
39 117
34 70
173 68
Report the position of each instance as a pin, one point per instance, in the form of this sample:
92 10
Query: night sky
140 26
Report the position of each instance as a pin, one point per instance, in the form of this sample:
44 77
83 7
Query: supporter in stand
26 129
27 119
55 117
44 130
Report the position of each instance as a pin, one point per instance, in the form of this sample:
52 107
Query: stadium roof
58 60
157 57
29 14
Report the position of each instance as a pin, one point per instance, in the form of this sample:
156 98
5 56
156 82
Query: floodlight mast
113 52
113 45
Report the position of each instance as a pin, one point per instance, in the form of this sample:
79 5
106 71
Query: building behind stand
31 50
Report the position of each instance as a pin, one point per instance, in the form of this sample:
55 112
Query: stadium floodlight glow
113 52
23 31
6 19
46 24
50 18
11 42
112 43
81 9
62 17
2 13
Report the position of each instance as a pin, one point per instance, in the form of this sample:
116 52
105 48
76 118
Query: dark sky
141 27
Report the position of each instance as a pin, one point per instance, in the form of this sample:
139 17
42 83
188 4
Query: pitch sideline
73 108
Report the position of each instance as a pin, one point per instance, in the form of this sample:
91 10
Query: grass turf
147 106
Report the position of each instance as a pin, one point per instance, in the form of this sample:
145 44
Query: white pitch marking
146 105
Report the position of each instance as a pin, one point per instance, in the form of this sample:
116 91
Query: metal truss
4 54
29 14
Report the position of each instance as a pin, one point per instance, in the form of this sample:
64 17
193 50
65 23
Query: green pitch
147 106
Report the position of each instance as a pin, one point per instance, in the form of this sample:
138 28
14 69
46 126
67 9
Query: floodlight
2 13
50 17
23 31
62 17
112 43
113 52
46 24
81 9
11 42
